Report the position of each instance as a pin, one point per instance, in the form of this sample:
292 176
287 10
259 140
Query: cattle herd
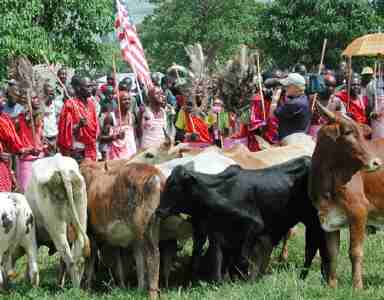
235 205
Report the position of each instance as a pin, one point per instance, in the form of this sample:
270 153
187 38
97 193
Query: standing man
50 118
12 108
30 131
324 99
9 144
354 106
122 138
294 111
78 124
153 119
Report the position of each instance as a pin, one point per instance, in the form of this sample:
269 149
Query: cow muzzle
373 165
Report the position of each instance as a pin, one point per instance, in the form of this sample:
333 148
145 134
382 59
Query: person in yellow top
191 127
218 122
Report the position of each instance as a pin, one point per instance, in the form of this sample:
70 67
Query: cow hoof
35 280
358 286
153 294
332 283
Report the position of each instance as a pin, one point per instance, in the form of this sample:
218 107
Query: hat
367 71
293 79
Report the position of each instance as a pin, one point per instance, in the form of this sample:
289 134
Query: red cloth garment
73 110
9 139
257 121
26 134
356 106
197 125
10 142
5 174
257 118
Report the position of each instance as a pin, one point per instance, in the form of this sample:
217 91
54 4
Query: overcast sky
138 9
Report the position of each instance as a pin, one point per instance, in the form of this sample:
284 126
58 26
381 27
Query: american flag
131 48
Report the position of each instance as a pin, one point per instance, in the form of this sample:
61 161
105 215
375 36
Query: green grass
281 283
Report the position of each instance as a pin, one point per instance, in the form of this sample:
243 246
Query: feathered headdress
24 82
237 81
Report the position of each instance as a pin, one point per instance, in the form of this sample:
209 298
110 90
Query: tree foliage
66 31
286 31
220 26
294 31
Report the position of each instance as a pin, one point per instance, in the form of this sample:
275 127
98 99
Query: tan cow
121 209
344 193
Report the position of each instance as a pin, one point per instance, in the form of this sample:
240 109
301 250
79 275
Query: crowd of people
86 120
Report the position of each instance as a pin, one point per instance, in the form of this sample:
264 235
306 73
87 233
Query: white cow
17 229
58 198
208 162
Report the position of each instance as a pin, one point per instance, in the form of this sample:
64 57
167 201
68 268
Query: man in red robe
356 105
78 124
31 137
9 144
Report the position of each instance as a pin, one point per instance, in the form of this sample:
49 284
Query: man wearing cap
293 112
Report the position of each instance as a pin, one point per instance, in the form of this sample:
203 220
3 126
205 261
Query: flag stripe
131 48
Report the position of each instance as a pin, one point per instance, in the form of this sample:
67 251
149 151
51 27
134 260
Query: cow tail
75 217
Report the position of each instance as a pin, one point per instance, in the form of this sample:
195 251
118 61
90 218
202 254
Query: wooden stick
349 81
319 72
375 87
260 86
29 100
116 89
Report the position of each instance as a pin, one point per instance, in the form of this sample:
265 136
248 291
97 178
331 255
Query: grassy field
282 282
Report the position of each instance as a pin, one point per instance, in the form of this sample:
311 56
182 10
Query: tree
220 26
294 31
66 31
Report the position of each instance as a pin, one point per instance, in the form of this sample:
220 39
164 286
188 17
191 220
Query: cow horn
325 112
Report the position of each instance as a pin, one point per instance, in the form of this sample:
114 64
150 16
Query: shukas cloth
9 142
356 107
74 109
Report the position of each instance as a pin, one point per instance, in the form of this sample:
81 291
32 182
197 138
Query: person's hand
194 137
121 135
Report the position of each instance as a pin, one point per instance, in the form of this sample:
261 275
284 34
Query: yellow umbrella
367 45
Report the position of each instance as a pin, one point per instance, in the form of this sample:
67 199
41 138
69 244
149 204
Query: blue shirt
13 111
294 116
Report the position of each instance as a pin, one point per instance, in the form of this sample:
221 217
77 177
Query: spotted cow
17 229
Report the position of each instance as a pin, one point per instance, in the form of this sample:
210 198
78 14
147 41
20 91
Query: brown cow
121 210
342 189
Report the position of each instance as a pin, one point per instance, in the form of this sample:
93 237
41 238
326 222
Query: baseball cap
367 71
293 79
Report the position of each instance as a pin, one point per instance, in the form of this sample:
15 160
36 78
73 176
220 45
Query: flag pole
116 88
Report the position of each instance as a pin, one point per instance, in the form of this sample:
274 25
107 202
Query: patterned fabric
5 177
126 147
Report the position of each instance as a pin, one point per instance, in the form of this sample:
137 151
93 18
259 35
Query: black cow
243 211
